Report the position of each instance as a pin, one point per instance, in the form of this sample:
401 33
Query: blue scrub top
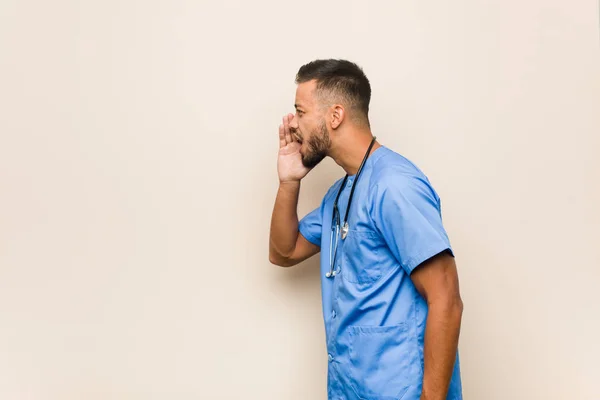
374 317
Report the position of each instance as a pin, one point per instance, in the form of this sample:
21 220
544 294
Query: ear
337 116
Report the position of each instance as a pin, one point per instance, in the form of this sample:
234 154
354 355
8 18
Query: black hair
342 79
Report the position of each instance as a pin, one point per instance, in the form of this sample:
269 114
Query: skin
323 128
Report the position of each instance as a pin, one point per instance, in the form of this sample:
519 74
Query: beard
317 145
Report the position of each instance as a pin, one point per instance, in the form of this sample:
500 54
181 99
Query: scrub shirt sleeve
310 226
407 213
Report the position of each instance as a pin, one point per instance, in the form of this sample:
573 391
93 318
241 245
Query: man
391 301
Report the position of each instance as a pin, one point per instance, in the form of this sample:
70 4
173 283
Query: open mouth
298 138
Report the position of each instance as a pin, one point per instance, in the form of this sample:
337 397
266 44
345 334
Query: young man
391 300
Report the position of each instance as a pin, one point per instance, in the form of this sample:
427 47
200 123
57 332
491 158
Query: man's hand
287 246
289 163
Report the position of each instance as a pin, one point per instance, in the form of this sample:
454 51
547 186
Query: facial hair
317 145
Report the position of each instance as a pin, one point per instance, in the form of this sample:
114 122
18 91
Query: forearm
441 343
284 221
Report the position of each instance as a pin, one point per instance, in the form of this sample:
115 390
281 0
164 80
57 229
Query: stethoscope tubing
335 219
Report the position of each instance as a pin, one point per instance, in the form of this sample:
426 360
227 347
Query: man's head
331 94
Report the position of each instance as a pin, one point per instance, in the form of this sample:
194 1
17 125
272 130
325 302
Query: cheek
301 126
306 129
305 123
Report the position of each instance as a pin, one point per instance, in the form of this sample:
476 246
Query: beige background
138 172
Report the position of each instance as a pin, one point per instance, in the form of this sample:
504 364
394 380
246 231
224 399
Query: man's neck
349 155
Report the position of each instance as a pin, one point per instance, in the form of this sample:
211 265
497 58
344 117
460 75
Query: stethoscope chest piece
345 231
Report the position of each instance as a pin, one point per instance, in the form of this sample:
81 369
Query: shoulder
393 170
396 176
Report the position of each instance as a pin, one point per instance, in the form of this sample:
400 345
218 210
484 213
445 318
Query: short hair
342 79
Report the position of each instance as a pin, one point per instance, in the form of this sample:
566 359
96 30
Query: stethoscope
335 218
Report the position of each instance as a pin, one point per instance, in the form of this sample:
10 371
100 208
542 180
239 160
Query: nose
294 122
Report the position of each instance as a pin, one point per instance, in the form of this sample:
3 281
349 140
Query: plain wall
138 149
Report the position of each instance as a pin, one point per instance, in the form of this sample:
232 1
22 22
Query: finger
282 141
292 129
286 130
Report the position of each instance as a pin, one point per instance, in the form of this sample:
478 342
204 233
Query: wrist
290 182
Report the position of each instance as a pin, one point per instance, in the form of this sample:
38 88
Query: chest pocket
362 257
